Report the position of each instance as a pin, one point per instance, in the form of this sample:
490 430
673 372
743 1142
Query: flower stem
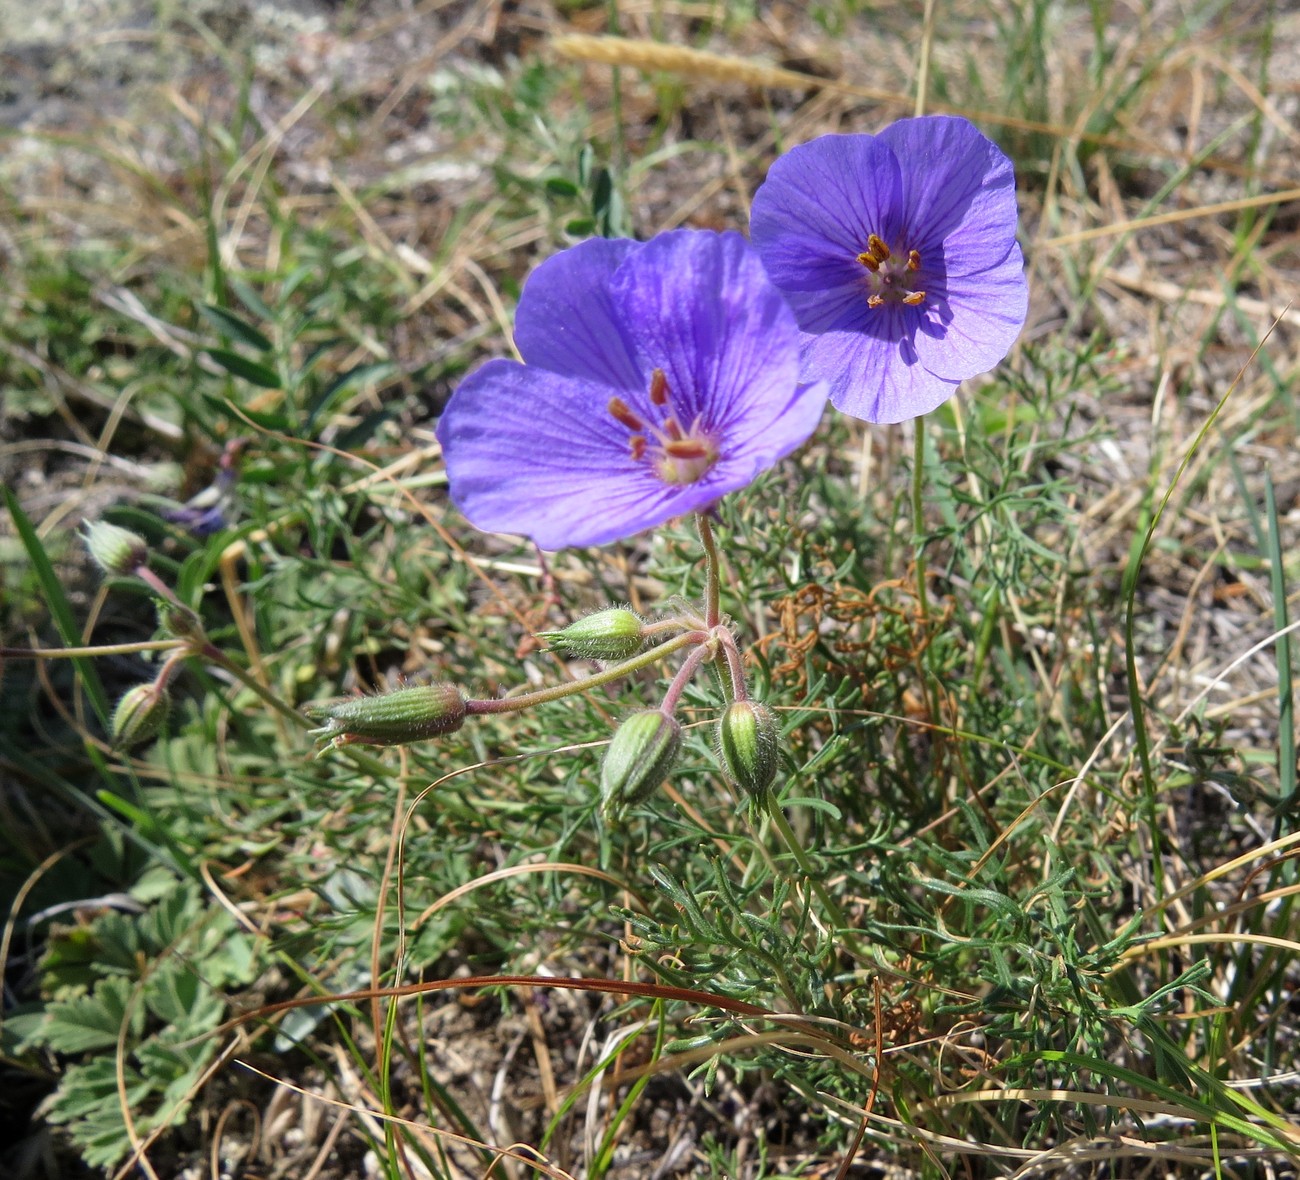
918 517
690 665
215 655
712 583
157 585
736 690
108 649
543 695
782 825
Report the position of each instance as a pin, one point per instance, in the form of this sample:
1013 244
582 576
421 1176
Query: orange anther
622 412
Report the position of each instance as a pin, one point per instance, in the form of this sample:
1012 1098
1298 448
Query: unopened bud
392 718
613 634
115 550
640 755
178 620
140 715
749 746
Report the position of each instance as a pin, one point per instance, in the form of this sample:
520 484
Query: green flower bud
115 550
613 634
640 755
749 746
179 620
391 718
139 715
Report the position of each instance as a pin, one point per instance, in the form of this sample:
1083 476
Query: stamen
877 248
688 448
875 301
622 412
869 262
675 454
914 299
914 260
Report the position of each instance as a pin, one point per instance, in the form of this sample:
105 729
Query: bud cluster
642 752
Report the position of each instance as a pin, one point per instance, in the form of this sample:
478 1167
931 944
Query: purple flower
659 376
898 254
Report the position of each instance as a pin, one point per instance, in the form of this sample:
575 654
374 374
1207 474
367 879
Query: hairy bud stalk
749 746
640 756
613 634
391 718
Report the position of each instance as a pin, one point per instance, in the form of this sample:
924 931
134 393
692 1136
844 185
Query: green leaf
237 328
180 999
87 1101
241 366
823 805
94 1021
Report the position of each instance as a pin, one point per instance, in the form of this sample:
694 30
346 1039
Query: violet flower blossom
659 376
898 254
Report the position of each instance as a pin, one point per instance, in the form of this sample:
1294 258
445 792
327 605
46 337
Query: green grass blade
60 609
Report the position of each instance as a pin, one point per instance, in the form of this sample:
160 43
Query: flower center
890 276
677 454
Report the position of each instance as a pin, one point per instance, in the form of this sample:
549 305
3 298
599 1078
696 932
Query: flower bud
613 634
179 620
139 715
749 746
391 718
115 550
640 755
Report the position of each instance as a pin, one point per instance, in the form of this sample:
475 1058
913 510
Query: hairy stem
528 699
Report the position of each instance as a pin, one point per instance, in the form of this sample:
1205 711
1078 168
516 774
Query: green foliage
151 986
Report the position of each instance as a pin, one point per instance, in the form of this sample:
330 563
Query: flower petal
562 476
874 378
975 320
700 307
958 191
565 321
759 440
820 203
